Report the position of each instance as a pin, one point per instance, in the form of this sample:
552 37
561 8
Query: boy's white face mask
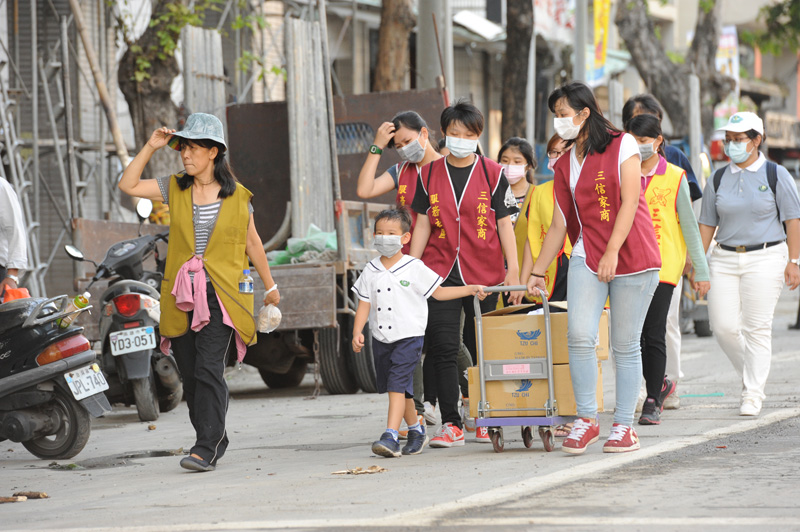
388 245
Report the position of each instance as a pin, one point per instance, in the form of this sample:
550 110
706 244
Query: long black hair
525 148
599 131
413 121
646 125
223 172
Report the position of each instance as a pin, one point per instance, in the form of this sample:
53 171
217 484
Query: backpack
772 180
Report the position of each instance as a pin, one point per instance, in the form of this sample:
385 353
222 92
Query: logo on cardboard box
522 391
529 337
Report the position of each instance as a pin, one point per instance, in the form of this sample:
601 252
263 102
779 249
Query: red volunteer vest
466 230
592 212
407 178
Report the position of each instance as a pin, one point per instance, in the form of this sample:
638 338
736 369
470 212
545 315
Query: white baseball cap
744 121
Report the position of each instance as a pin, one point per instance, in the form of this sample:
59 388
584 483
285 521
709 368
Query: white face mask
388 245
514 172
460 148
646 150
566 128
413 152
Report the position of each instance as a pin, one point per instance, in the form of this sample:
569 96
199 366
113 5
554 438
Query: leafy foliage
782 20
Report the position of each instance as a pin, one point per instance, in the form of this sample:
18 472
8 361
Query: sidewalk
277 472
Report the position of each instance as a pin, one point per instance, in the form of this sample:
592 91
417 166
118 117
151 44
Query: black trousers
443 336
654 340
201 358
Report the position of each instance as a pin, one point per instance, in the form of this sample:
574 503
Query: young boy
392 292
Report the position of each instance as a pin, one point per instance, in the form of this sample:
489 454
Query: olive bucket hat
199 126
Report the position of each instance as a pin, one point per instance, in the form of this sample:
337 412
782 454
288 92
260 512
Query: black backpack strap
430 171
772 180
718 177
486 174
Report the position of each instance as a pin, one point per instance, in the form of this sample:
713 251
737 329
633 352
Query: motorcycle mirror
74 253
143 208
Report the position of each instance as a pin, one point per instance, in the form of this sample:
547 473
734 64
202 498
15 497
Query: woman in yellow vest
667 195
205 310
518 162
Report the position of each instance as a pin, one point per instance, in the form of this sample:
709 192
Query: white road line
771 521
433 514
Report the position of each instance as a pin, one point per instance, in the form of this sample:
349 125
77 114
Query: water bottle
78 302
246 283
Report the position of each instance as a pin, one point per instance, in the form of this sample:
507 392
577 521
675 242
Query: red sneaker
448 436
622 439
482 435
583 434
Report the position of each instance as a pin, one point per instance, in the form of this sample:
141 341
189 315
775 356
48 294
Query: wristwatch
375 150
795 261
13 278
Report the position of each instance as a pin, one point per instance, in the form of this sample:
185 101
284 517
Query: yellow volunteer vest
224 259
540 216
661 196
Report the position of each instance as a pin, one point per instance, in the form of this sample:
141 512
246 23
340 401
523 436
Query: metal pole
71 162
354 78
530 93
615 103
35 107
447 44
581 16
695 125
105 201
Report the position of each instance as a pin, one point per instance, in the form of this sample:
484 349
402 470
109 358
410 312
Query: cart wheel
548 439
497 441
527 437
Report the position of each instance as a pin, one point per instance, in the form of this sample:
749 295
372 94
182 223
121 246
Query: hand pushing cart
534 369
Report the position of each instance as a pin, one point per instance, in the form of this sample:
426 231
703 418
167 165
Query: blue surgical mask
460 148
737 151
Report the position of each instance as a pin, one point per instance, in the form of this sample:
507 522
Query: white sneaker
467 422
432 414
642 399
672 402
750 407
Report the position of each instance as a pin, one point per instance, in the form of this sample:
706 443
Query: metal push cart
531 368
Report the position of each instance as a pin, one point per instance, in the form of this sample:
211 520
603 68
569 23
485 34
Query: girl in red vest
409 135
600 204
463 234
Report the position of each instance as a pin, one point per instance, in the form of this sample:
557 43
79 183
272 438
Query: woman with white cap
753 207
212 236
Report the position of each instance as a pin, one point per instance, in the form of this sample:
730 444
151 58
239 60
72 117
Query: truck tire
363 363
702 328
333 366
290 379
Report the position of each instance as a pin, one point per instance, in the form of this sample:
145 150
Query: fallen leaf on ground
151 427
13 499
360 471
32 494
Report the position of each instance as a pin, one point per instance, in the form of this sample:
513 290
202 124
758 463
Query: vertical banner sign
727 62
602 9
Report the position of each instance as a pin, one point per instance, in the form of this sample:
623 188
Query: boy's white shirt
397 297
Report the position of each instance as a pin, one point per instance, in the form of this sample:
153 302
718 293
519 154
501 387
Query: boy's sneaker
432 415
666 390
583 434
651 414
386 446
482 435
416 441
621 440
448 436
404 433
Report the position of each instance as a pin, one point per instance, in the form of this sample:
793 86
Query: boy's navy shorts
395 363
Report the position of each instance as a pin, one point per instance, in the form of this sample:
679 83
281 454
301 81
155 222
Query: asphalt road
704 468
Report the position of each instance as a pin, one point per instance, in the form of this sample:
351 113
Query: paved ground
703 467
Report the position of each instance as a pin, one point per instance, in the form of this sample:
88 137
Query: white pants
741 303
673 370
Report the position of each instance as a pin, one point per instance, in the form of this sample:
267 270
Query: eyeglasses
555 154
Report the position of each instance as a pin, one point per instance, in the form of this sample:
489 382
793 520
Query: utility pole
428 66
530 96
581 25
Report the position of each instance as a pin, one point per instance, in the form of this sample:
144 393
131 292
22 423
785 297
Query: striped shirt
204 217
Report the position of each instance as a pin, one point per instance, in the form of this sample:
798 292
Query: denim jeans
629 297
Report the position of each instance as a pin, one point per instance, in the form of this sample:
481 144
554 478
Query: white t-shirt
628 148
397 297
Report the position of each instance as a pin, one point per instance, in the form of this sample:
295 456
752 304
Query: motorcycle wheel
290 379
72 435
144 392
171 401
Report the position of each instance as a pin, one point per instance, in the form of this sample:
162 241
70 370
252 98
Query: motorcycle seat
14 313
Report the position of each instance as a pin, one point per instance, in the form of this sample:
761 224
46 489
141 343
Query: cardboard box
509 336
529 394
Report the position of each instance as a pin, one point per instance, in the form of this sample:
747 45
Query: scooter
50 384
137 372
